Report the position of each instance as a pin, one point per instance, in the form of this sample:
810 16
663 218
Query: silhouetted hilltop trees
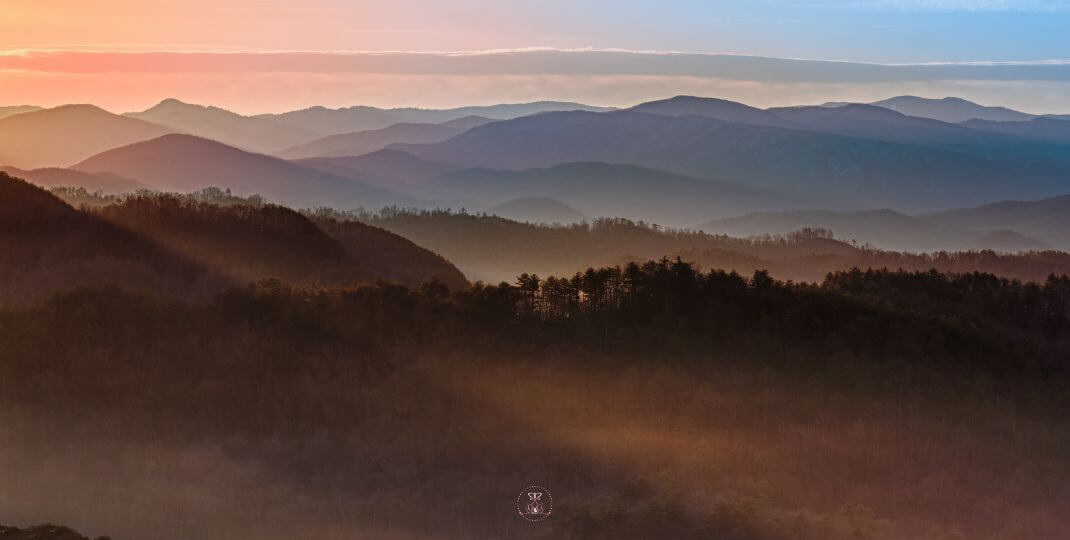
42 532
658 400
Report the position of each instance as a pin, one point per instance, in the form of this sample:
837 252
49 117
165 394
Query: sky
239 54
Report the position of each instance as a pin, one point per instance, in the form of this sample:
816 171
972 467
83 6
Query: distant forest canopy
656 400
494 249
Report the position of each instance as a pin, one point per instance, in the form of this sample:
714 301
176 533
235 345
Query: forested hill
190 246
42 532
660 401
494 249
46 246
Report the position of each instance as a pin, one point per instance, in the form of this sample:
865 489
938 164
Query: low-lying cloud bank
269 81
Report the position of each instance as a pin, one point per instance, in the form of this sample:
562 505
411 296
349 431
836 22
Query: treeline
494 249
657 399
42 532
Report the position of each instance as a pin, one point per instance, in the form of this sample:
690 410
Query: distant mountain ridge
65 135
92 182
249 133
185 163
363 142
12 110
1048 220
951 109
1044 128
720 109
599 189
537 210
884 229
360 118
839 169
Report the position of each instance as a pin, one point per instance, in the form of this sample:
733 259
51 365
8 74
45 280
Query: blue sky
870 31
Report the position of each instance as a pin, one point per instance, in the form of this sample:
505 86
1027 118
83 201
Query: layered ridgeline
888 229
1008 226
363 142
185 163
63 136
189 245
838 169
362 118
493 249
681 161
652 400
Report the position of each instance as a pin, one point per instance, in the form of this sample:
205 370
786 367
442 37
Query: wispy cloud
271 81
531 61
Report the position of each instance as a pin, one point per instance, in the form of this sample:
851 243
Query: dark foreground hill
189 247
653 401
42 532
45 246
249 242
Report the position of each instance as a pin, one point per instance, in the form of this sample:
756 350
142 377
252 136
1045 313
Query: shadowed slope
1049 129
45 246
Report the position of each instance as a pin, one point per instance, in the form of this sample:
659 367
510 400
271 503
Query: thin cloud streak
530 61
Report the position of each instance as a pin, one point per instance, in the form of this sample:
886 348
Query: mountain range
185 163
678 161
249 133
63 136
607 190
831 169
363 142
884 229
361 118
